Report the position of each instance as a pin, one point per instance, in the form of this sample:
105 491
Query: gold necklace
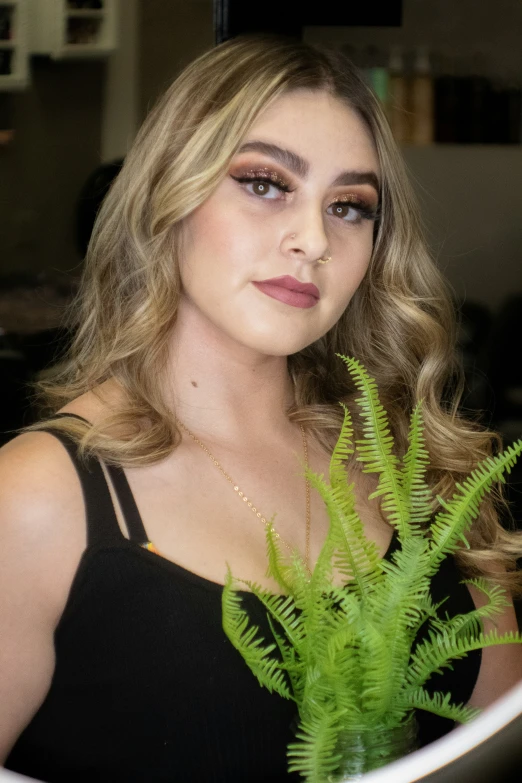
250 504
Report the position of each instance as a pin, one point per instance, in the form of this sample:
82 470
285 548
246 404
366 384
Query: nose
306 238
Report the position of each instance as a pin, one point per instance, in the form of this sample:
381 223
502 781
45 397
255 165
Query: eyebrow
301 167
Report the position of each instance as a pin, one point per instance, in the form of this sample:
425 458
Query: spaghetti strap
133 521
129 508
102 522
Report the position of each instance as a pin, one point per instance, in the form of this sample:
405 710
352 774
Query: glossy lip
290 283
284 290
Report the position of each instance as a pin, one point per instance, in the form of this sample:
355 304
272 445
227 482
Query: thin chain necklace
266 522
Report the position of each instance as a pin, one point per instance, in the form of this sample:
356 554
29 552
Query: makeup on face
289 290
244 275
351 208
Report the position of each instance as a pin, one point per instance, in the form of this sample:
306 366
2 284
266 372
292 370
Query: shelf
55 27
16 47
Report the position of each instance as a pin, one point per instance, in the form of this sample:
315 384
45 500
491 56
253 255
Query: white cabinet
73 28
14 69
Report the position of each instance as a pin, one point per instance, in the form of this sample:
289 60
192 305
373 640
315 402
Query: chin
277 345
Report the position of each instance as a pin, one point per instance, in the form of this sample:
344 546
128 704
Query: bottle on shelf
377 73
422 99
397 107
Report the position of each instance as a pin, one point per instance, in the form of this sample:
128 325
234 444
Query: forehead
319 126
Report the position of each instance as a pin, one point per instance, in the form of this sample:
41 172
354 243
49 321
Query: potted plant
346 654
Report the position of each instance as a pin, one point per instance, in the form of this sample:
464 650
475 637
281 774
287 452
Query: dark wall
172 34
57 123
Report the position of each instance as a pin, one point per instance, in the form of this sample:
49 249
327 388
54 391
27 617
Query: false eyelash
366 212
269 180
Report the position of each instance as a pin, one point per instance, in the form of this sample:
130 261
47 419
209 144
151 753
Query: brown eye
346 211
267 188
260 188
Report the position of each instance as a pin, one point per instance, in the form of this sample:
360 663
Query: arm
42 537
501 666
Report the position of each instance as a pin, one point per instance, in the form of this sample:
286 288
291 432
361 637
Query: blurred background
78 76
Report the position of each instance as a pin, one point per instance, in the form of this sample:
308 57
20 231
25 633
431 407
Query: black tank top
148 689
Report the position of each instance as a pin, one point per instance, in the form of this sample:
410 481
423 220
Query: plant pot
371 748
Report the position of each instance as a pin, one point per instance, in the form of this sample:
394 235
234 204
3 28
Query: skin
228 358
238 236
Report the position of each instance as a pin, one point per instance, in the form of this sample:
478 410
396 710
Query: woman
261 222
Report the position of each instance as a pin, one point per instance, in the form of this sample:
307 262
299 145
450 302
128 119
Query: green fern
347 655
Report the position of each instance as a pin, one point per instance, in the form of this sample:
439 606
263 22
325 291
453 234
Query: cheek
220 235
348 274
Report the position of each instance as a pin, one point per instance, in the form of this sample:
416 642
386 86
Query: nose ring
319 260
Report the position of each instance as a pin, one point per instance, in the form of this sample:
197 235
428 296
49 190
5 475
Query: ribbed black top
148 689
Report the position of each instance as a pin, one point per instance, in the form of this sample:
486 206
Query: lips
290 291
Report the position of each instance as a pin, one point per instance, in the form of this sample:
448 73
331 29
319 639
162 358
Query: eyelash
365 211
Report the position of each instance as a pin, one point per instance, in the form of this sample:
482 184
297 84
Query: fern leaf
459 512
358 555
314 757
439 704
268 670
440 649
342 450
278 569
376 450
471 622
283 610
413 474
293 666
397 608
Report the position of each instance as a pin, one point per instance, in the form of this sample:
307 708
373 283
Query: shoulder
35 472
42 516
42 538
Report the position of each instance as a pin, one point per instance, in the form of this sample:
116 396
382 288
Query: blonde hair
400 322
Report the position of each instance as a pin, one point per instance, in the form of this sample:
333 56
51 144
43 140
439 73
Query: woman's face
304 185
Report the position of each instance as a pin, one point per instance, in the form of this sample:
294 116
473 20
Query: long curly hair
400 323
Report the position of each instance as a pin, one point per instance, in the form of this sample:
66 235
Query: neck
224 390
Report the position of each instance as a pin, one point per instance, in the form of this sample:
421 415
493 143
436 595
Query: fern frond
438 651
439 704
357 555
342 450
245 639
283 609
314 756
471 622
376 450
415 463
322 574
397 608
292 665
278 569
450 525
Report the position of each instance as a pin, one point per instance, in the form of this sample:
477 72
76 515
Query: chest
196 518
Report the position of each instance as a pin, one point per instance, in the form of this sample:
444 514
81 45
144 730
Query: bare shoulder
42 537
42 514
